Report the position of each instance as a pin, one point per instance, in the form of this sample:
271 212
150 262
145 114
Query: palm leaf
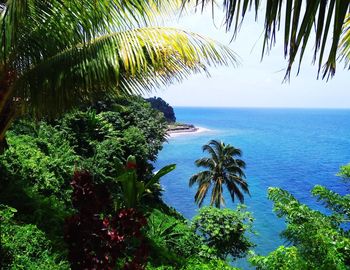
217 198
212 151
345 43
232 178
234 169
326 17
223 168
206 163
234 191
204 176
202 191
80 20
126 62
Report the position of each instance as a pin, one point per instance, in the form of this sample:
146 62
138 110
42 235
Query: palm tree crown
222 168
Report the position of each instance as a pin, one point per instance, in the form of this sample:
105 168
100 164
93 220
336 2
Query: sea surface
293 149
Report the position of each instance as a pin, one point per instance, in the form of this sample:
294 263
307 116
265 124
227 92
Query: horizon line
251 107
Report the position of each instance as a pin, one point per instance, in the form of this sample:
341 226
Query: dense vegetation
110 213
78 191
318 241
162 106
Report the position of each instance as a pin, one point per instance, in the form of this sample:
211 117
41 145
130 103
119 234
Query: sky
254 83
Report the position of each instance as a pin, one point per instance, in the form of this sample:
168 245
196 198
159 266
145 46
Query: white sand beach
191 131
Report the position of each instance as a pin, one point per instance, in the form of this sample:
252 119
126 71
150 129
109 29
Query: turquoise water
289 148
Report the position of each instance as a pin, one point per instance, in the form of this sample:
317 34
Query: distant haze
255 83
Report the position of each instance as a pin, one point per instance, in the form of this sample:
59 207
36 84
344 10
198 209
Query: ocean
293 149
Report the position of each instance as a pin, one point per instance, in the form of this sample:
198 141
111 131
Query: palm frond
126 62
326 17
240 163
212 149
206 163
201 193
203 176
232 151
345 43
69 21
234 191
232 178
216 144
217 197
234 169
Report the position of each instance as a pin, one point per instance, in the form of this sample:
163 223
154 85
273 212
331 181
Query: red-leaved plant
95 237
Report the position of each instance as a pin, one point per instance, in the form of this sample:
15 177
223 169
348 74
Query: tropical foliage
222 168
318 241
25 246
172 240
96 235
345 172
198 264
41 156
328 20
134 190
55 56
160 105
175 245
38 165
109 216
225 230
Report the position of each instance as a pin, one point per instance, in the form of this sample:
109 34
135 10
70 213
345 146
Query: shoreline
192 130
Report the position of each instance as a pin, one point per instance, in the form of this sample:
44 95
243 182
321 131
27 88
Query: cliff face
160 105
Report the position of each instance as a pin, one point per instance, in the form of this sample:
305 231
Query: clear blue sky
254 83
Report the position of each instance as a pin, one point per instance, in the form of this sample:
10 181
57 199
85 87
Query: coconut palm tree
57 54
297 18
221 168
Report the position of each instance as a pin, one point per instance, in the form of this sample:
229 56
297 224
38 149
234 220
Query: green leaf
163 171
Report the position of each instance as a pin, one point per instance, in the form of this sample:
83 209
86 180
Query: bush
172 234
45 162
196 264
97 236
317 240
224 230
25 246
286 258
85 129
107 162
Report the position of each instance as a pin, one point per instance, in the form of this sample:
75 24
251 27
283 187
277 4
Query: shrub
197 264
172 235
97 236
317 240
224 230
85 129
45 163
25 246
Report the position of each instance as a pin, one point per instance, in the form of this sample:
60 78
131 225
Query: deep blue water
294 149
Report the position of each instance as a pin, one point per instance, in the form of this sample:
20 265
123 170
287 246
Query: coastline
186 131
